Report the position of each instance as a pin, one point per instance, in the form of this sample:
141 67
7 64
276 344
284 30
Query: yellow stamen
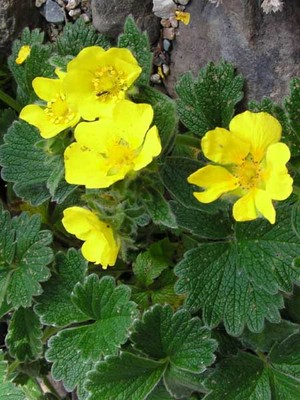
57 110
109 84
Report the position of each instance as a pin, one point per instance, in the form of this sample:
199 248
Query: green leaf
160 393
147 267
202 224
174 173
238 378
78 35
181 384
165 114
245 376
292 105
124 377
23 259
159 209
29 166
178 337
24 335
8 391
139 44
55 306
7 117
74 351
271 334
239 281
292 303
209 101
288 135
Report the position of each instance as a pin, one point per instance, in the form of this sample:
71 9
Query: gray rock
109 16
264 48
15 15
53 12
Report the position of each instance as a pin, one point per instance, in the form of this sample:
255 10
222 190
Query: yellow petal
88 58
183 17
47 88
222 147
150 149
279 184
79 221
23 54
95 135
35 115
135 120
215 180
264 205
244 209
86 167
260 130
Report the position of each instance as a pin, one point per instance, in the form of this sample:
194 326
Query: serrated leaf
209 100
271 334
29 166
24 335
55 306
174 173
112 312
25 255
179 337
202 224
245 376
292 105
139 44
165 114
8 391
288 135
239 281
181 384
159 209
124 377
78 35
147 267
160 393
238 378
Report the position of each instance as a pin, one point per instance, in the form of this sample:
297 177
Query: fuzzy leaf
24 257
55 306
159 209
76 36
202 224
238 281
24 335
248 377
183 340
124 377
8 391
209 100
29 166
165 114
112 314
139 44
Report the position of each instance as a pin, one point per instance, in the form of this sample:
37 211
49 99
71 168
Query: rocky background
264 47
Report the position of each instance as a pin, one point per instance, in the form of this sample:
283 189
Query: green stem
262 356
10 101
187 140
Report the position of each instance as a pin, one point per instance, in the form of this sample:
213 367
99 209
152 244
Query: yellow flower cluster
250 163
113 136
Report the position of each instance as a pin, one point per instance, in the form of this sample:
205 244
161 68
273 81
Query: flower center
121 156
109 84
248 173
58 111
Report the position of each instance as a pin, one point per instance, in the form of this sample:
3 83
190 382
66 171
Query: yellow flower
183 17
24 52
253 166
56 115
100 245
108 149
97 79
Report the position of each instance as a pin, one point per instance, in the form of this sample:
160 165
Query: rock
15 15
53 12
263 47
182 2
109 16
